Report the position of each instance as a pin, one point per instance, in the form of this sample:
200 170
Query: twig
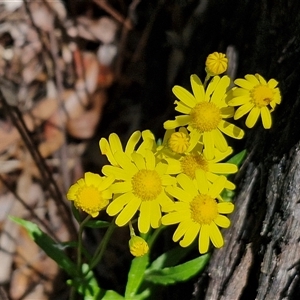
116 15
31 211
48 181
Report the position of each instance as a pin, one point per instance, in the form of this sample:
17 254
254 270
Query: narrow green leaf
238 158
169 258
97 224
179 273
136 275
52 249
144 295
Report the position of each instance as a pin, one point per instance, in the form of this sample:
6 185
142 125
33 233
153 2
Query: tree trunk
261 256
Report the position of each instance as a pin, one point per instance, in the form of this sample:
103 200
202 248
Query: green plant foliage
238 158
97 224
136 275
178 273
50 247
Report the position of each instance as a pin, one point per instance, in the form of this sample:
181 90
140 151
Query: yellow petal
115 143
128 212
252 117
217 187
190 235
184 95
198 89
223 168
216 236
132 142
105 150
219 140
208 142
202 182
244 109
231 130
155 215
179 193
204 239
266 117
244 83
222 221
179 121
220 90
237 101
272 83
144 218
181 230
187 184
117 204
181 107
225 207
252 79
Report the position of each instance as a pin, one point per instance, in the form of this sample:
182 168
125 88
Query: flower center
178 142
261 95
90 199
190 163
205 116
204 209
146 184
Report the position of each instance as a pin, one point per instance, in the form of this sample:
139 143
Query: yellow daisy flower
204 113
216 63
141 186
257 97
91 193
190 163
198 212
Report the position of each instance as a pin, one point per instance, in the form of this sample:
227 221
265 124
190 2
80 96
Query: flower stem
155 235
79 248
101 248
79 254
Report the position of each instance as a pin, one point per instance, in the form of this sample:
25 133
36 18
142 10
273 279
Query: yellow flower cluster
180 180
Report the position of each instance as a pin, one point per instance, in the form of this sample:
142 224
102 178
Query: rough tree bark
261 258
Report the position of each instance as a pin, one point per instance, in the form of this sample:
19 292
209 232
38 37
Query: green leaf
88 285
169 258
179 273
97 224
112 295
52 249
144 295
238 158
136 275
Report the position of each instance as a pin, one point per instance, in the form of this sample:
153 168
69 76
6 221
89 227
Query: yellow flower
141 186
113 144
257 97
138 246
204 113
91 193
216 63
198 212
190 163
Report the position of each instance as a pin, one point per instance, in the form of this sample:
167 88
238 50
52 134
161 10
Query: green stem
79 248
206 80
79 254
155 235
101 248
